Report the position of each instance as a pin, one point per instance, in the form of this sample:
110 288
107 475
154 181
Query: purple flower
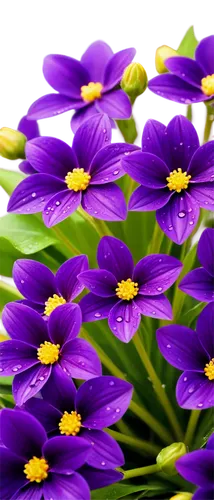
122 292
175 175
199 283
39 348
84 413
192 352
31 130
189 80
68 177
89 86
197 468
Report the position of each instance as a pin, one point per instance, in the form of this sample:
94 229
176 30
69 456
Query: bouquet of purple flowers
107 358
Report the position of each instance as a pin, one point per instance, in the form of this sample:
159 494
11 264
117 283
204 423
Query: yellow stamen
178 180
36 469
52 303
209 369
91 91
207 85
127 290
70 423
78 179
48 353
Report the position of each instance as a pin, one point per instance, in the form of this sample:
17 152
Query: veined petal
52 105
156 273
60 206
99 281
95 308
26 167
45 413
52 156
29 128
106 165
206 250
34 280
12 477
201 166
65 75
183 142
115 104
30 382
146 169
97 478
154 307
204 329
144 199
66 453
204 54
16 357
105 202
66 276
82 115
154 140
203 193
23 323
115 67
124 319
197 468
29 492
175 89
66 487
105 453
198 284
59 390
187 69
80 360
95 59
194 391
64 323
114 255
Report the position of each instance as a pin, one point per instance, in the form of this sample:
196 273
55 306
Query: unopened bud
182 496
167 457
163 53
134 80
12 144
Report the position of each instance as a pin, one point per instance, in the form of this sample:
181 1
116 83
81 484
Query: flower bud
184 495
12 144
134 80
163 53
167 457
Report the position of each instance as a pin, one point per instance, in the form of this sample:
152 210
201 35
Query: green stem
161 394
189 112
168 246
61 236
139 444
191 427
208 123
141 471
107 362
158 235
98 225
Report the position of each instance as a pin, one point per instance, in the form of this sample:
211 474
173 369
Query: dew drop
153 312
108 408
33 195
119 319
116 172
159 288
97 315
92 442
22 281
191 389
127 153
117 410
170 228
200 405
181 143
41 378
1 370
191 223
103 463
169 346
111 382
182 214
185 379
58 203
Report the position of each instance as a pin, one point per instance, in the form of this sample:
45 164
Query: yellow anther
78 179
36 469
70 423
209 369
91 91
127 290
178 180
207 85
52 303
48 353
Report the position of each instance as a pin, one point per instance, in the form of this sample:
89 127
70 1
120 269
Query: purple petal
95 308
198 284
30 382
34 280
70 487
154 307
178 218
115 104
30 196
60 206
52 105
59 390
194 391
45 413
16 357
187 69
203 193
156 273
51 156
65 75
66 453
175 89
201 166
22 323
206 250
197 468
183 142
146 169
99 281
102 401
99 478
95 59
144 199
26 168
106 165
106 453
181 347
105 202
33 305
80 360
124 319
29 492
210 442
64 323
29 128
204 54
66 276
114 255
22 433
116 66
12 477
204 329
82 115
154 140
203 493
91 136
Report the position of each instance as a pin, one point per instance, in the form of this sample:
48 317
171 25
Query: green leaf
8 255
121 490
188 44
128 129
9 180
8 294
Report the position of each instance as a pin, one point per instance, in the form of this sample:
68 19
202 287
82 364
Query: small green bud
134 80
163 53
167 457
184 495
12 144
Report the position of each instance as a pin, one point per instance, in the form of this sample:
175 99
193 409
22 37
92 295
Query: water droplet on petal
117 410
200 405
111 382
97 315
33 195
185 379
58 203
108 408
119 319
182 214
103 463
159 288
169 346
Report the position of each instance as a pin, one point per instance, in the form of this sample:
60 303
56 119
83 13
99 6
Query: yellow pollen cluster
207 85
127 290
52 303
78 179
209 369
48 353
91 91
70 423
178 180
36 469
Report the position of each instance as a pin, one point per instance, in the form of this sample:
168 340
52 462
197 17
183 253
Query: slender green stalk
161 394
139 444
124 428
107 362
61 236
189 112
158 236
168 246
208 123
141 471
191 427
98 225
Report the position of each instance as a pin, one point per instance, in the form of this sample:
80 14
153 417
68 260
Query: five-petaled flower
122 292
176 176
199 283
89 86
30 129
192 352
189 80
40 350
68 177
197 468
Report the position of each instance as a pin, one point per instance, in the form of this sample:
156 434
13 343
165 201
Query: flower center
127 290
78 179
36 469
178 180
48 353
91 91
52 303
70 423
207 85
209 369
